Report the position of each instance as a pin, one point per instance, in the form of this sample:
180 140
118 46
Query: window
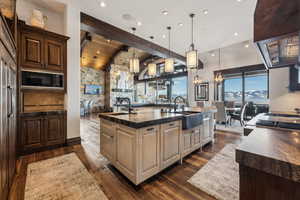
161 91
233 89
179 87
256 88
246 87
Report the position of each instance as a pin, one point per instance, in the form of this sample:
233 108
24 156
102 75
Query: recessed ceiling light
139 23
213 55
108 41
98 52
151 37
205 12
102 4
180 24
236 34
165 12
163 36
239 0
247 45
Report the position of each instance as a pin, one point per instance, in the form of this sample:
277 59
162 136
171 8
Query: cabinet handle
171 124
11 106
150 129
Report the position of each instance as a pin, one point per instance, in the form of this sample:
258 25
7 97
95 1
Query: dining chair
221 115
240 116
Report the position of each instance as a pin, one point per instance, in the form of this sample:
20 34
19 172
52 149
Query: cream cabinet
191 140
107 140
207 130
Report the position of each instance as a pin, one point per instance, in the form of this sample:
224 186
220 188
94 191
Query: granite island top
155 117
274 151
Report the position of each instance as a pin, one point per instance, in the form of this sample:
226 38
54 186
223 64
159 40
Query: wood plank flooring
171 184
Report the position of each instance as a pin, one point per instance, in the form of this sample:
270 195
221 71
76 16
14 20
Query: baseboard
73 141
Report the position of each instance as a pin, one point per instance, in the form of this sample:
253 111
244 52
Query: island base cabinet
255 184
107 140
191 140
170 143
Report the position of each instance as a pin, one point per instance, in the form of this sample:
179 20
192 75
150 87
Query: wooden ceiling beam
86 38
93 25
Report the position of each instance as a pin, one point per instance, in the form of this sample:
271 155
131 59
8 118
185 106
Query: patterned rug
61 178
220 176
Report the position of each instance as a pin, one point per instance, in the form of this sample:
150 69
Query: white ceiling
212 31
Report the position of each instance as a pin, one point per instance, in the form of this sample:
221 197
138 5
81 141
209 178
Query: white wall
55 22
232 56
280 97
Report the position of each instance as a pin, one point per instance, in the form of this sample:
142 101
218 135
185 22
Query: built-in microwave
42 80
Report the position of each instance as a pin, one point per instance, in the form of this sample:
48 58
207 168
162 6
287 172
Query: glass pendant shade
169 65
136 65
131 65
152 69
192 59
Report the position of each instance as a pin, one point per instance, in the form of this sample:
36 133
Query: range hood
277 32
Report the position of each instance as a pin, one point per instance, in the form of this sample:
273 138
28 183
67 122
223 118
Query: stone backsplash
91 76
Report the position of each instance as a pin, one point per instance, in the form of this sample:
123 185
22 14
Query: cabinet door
107 141
196 136
170 143
31 133
12 125
126 151
150 151
54 130
54 55
205 133
32 50
187 142
4 129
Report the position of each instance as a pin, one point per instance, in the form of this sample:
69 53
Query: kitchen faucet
175 102
120 100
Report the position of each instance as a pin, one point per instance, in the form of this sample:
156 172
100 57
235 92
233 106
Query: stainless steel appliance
31 79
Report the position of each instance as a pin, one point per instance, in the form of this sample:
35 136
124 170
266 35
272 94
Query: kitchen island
141 145
269 164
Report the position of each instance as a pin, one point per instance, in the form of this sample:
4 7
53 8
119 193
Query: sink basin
191 119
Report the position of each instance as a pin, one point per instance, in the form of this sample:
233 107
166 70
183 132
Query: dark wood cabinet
8 69
54 130
39 132
54 54
32 50
32 132
41 49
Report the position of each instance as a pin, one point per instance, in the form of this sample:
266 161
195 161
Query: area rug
220 176
61 178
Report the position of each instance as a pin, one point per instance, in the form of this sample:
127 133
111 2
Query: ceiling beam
93 25
86 38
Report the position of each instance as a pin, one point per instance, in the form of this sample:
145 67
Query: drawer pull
171 124
150 129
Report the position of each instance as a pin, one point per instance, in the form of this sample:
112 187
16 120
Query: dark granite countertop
33 114
273 151
142 119
150 118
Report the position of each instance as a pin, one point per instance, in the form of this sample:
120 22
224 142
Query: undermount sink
191 119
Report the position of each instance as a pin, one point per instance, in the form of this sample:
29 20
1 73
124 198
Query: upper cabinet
42 50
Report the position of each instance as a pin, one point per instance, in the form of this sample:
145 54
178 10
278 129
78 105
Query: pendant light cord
192 32
133 32
169 28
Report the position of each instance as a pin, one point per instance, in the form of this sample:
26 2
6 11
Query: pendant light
219 78
169 62
152 65
192 54
134 62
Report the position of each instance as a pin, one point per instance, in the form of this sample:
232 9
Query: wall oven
39 80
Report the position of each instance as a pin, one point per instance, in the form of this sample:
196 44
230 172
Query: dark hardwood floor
170 184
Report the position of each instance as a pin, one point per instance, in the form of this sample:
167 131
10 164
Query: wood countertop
273 151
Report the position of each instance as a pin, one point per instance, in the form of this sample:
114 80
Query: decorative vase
37 19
